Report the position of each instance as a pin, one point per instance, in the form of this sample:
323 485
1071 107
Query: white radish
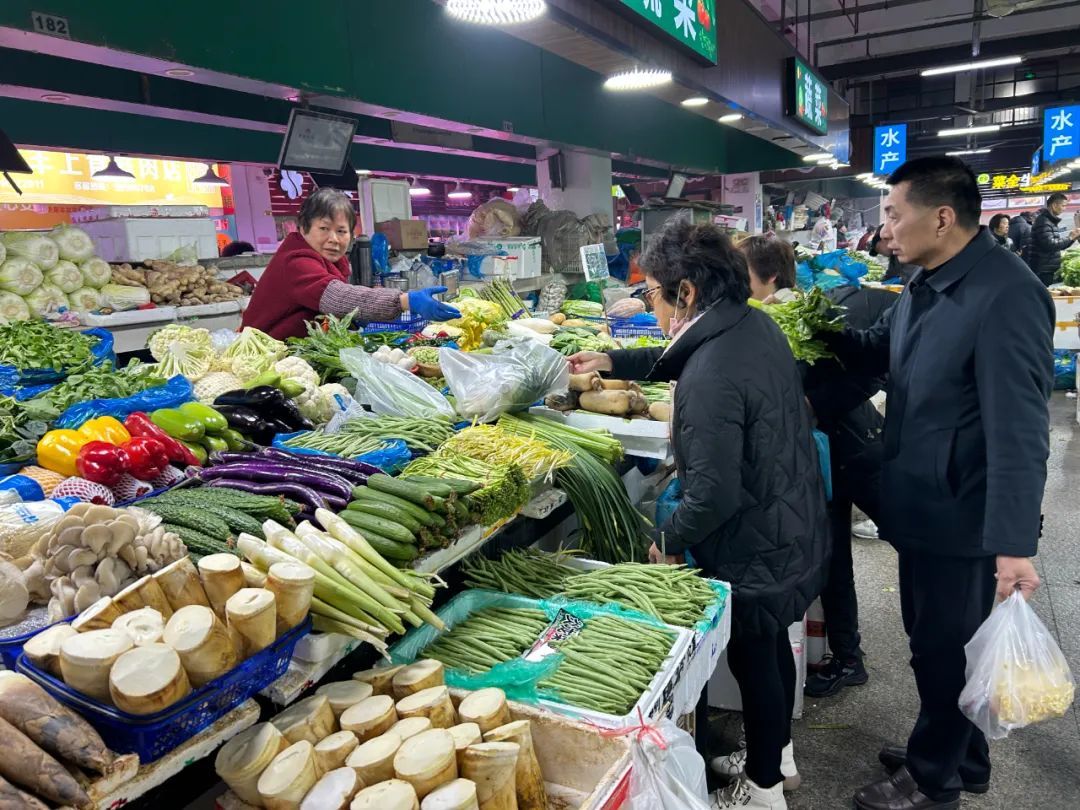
370 718
433 703
427 761
203 643
288 777
241 761
148 679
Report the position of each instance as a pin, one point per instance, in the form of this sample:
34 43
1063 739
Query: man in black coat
969 353
1048 238
1020 232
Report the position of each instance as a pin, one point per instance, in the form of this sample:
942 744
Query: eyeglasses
648 294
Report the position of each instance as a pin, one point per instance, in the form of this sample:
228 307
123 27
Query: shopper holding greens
753 506
309 276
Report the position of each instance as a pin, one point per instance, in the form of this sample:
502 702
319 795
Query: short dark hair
236 248
770 259
995 219
1057 196
328 203
945 181
701 254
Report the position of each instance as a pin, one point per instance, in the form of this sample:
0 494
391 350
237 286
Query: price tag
594 262
50 24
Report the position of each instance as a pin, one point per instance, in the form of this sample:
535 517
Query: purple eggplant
273 471
337 462
230 457
317 462
297 492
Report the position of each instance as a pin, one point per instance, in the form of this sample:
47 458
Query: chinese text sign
808 97
1061 134
690 22
890 148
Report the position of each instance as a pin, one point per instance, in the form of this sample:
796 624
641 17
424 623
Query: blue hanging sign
1061 134
890 148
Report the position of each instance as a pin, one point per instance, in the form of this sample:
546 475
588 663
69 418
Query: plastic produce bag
185 256
1016 674
667 772
517 375
391 390
176 391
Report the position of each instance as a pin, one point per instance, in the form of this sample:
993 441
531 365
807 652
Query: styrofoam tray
202 310
130 318
646 438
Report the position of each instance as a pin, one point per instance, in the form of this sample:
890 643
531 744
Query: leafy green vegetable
320 348
37 344
802 320
1070 268
19 432
568 341
94 382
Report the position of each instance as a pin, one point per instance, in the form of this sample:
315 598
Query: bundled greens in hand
803 320
321 346
37 344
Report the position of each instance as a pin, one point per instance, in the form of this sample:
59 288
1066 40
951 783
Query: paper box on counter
404 234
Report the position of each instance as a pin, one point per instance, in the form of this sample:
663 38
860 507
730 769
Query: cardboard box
404 234
520 257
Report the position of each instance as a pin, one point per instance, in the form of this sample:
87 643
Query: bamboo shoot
11 798
334 791
370 718
531 793
43 650
253 577
391 795
288 777
128 599
331 752
99 616
410 727
26 765
293 585
457 795
181 585
427 761
373 760
485 707
145 680
221 578
380 678
202 642
492 767
252 612
86 658
242 760
416 677
311 719
433 703
465 734
344 694
143 626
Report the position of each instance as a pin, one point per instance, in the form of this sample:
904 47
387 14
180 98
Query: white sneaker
734 765
746 793
867 530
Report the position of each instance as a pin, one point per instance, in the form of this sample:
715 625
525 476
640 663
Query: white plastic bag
1016 674
391 390
517 375
667 772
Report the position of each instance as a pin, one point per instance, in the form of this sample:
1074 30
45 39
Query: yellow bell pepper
105 429
58 449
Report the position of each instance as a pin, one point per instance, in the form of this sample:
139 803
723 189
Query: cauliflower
322 406
310 402
214 384
182 350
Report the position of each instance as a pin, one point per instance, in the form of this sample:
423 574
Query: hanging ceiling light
514 189
960 152
695 101
113 171
730 118
817 156
459 193
948 133
210 178
977 65
496 12
637 79
417 190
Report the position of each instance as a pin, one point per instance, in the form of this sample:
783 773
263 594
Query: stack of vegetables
803 320
388 740
42 273
167 283
321 347
51 754
364 435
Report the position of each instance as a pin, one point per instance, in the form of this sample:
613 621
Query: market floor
837 739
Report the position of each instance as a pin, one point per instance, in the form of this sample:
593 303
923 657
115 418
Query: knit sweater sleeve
370 303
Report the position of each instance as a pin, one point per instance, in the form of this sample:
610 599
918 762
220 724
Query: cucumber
402 489
237 521
458 485
381 526
395 552
198 519
432 485
417 512
387 512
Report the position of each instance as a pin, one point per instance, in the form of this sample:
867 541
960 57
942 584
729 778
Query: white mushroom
127 554
80 557
122 534
82 575
111 575
142 555
34 576
100 514
96 538
86 596
68 537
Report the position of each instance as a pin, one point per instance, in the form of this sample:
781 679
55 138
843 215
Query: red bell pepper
140 426
147 458
101 462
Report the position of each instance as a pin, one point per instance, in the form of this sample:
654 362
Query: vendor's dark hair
328 203
701 254
934 181
996 218
236 248
770 259
1057 196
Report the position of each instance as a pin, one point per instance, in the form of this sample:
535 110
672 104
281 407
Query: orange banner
66 178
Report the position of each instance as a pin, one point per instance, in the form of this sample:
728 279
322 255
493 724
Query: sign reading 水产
807 97
1061 134
691 23
890 148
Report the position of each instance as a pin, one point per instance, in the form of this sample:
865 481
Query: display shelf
131 330
201 745
644 438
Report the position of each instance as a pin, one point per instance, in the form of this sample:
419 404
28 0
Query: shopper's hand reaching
423 303
656 558
1013 573
584 362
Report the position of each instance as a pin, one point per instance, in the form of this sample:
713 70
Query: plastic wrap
1016 674
391 390
390 459
176 391
495 219
667 773
517 375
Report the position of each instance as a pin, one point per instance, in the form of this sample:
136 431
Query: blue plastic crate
414 324
151 736
632 330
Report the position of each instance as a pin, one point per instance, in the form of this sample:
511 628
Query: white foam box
141 211
130 317
724 691
1067 331
136 240
526 250
645 438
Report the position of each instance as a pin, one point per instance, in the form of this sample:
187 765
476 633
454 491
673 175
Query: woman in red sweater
309 276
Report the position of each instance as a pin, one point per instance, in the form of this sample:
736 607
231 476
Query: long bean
488 637
673 594
524 571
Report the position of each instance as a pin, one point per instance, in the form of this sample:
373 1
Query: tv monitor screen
317 142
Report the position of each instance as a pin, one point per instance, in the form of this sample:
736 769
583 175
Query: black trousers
764 668
856 480
944 600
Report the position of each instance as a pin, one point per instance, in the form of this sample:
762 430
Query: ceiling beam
910 61
941 111
887 5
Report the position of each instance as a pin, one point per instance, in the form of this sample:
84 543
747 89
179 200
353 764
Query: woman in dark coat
753 507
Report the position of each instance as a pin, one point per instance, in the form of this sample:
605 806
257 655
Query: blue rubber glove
423 303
